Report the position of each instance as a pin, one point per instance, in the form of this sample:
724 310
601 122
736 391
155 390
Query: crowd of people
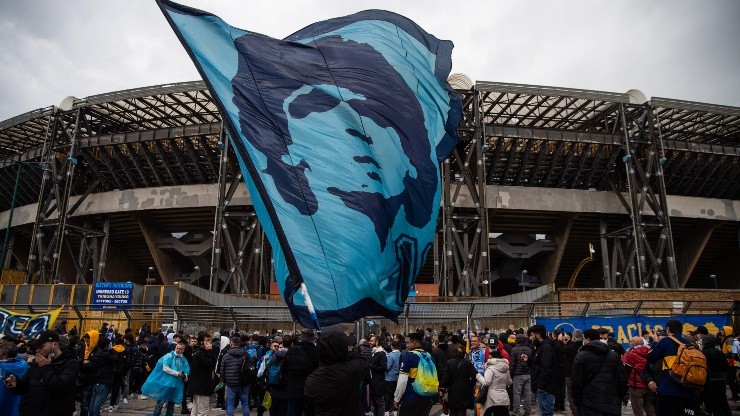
62 373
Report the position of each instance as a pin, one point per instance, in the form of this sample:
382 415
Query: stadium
547 188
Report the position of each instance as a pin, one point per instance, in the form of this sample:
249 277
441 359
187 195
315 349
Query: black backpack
247 371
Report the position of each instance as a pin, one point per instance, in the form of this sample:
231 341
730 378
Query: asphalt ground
136 407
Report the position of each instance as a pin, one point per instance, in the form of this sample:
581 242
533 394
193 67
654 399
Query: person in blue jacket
9 364
672 398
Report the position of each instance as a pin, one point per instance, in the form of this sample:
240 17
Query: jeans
237 392
126 384
158 408
546 402
522 391
99 394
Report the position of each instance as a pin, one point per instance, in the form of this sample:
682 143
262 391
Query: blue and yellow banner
14 324
626 327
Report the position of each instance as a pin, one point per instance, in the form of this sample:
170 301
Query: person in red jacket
635 361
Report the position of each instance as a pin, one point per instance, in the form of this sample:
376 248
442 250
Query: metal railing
424 314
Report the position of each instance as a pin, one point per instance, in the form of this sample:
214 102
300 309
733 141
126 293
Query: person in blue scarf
167 381
9 364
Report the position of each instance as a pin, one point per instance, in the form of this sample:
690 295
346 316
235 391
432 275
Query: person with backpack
635 362
417 380
200 385
274 377
237 390
674 397
120 368
598 378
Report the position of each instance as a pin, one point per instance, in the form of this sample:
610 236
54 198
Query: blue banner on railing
626 327
112 294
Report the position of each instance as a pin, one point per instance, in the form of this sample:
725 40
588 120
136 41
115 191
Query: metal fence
416 314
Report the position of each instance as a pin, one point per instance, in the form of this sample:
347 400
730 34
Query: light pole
149 279
714 278
523 287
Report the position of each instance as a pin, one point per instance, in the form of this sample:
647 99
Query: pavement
136 407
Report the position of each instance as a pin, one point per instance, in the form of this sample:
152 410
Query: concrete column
165 263
692 247
562 232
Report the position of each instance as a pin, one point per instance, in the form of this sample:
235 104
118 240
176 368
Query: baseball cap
47 336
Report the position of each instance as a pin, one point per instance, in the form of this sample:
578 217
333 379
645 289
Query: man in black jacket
100 361
442 353
598 378
543 369
301 360
339 373
458 382
378 366
200 382
48 385
231 363
716 386
521 359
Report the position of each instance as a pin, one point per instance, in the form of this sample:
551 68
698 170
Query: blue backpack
274 372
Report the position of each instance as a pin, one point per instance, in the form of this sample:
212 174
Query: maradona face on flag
339 129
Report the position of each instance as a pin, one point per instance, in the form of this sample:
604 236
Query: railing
416 313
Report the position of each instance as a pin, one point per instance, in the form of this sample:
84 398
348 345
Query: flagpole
311 310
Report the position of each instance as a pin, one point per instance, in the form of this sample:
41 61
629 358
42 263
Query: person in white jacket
496 376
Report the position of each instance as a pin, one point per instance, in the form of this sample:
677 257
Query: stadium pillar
166 265
693 247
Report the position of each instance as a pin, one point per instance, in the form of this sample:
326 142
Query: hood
119 348
224 342
94 335
236 352
597 347
498 364
333 348
642 351
727 330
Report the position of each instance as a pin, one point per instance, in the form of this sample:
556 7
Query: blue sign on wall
626 327
112 294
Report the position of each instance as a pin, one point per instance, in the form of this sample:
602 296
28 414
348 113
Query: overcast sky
687 50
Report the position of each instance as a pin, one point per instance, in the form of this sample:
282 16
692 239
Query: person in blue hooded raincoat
9 364
167 381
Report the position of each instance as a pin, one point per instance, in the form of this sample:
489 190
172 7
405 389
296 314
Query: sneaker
112 408
190 406
125 400
142 397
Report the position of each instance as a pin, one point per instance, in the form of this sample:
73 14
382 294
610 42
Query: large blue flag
339 129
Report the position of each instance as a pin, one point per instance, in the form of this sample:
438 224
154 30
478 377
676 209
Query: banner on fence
626 327
112 295
14 324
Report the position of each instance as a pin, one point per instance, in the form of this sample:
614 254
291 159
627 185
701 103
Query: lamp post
149 279
523 287
714 278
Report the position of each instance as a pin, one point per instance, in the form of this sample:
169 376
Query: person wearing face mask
167 381
47 387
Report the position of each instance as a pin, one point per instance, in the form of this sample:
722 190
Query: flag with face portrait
339 130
